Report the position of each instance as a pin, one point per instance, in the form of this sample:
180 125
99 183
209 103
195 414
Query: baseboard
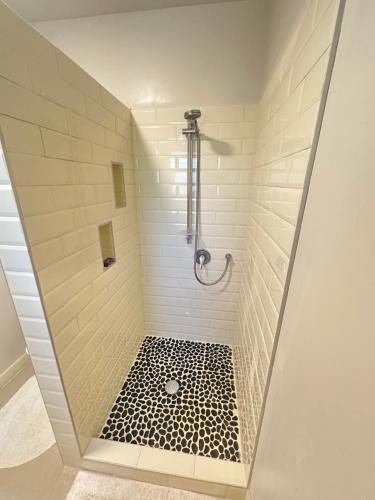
13 369
14 377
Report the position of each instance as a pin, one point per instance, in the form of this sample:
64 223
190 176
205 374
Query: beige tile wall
285 127
175 303
61 131
15 261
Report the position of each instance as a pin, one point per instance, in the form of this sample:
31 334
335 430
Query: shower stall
180 394
156 242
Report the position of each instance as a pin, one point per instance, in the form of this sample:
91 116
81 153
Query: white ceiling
47 10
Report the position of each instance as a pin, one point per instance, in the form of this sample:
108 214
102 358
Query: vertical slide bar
189 194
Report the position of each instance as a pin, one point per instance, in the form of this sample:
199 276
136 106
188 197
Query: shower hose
228 256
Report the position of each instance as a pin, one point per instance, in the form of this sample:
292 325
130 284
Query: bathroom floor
201 418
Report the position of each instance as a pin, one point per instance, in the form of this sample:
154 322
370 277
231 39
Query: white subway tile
18 102
299 134
59 413
40 348
4 176
49 382
11 231
241 130
172 148
170 115
34 328
144 116
315 46
48 83
219 114
8 205
29 170
21 137
21 283
99 114
28 306
48 226
77 77
313 83
14 258
66 147
156 132
81 127
35 199
111 103
53 397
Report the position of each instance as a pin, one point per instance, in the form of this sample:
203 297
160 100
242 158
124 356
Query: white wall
317 439
11 339
207 54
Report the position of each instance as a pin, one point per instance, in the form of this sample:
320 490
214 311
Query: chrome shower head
192 114
191 117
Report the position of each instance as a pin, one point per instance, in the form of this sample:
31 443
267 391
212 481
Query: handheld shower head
191 117
192 114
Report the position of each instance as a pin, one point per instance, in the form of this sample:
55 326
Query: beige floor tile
91 485
187 495
63 484
205 488
34 480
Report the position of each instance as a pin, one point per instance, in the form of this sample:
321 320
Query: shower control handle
202 260
202 257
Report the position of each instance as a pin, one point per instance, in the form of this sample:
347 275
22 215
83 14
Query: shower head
191 117
192 114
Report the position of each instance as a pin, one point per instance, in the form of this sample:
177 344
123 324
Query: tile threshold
167 467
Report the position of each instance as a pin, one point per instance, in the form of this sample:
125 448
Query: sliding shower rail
189 132
201 256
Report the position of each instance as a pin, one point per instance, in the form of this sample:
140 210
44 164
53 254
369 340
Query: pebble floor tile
201 418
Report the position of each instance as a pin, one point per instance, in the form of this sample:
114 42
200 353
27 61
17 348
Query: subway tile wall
286 123
61 132
175 303
15 260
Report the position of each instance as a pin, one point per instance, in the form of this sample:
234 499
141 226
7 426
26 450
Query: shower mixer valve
202 257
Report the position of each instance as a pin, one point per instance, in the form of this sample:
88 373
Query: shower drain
172 386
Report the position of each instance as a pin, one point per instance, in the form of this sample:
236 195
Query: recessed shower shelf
168 468
107 245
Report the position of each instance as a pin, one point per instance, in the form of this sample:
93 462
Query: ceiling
47 10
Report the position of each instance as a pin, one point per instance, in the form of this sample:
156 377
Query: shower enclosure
180 395
159 240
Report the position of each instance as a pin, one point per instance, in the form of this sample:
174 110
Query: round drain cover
172 386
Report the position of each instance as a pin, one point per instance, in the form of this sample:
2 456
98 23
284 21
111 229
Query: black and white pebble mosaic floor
200 419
